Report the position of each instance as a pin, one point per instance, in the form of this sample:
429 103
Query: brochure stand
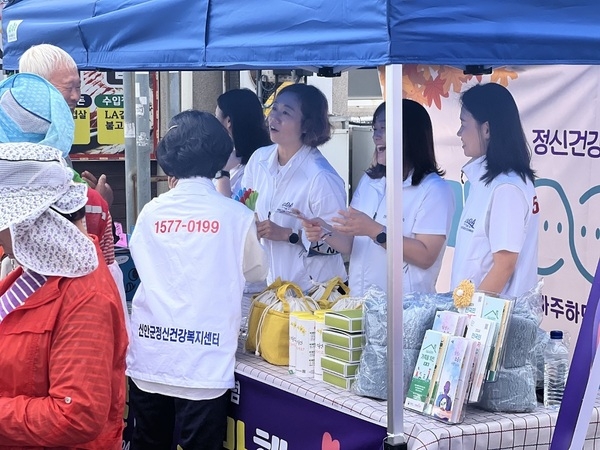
461 352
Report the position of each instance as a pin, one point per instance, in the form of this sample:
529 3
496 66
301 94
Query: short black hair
196 145
316 129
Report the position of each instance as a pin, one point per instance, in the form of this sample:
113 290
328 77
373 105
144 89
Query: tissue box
351 341
337 380
347 320
342 368
343 354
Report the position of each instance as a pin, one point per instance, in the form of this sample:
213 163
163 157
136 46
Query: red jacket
62 366
98 222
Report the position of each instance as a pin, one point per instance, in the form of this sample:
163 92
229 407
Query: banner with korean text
265 417
561 118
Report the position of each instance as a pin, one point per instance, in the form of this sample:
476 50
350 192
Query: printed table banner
263 417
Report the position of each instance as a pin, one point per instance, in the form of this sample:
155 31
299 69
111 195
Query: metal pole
174 103
130 150
259 86
187 90
395 259
142 139
170 105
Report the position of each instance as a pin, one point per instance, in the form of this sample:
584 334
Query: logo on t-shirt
468 225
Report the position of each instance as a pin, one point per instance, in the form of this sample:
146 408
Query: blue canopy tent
208 35
196 35
516 32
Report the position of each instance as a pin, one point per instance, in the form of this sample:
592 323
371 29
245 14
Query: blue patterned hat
32 110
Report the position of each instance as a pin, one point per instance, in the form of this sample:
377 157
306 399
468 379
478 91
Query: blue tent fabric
241 34
204 34
111 34
300 33
142 34
54 22
470 32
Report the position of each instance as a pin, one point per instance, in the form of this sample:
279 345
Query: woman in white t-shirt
497 237
241 113
293 175
428 207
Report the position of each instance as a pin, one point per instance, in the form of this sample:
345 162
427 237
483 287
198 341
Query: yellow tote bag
269 323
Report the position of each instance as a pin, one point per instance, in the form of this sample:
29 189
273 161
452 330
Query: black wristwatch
381 238
293 238
221 174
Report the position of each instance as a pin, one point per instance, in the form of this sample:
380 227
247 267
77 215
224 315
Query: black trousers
202 423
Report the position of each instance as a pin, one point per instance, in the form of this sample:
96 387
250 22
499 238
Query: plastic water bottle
556 369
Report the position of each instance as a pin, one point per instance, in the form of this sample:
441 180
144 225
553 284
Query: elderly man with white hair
59 68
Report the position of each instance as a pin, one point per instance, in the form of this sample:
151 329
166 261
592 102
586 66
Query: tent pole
395 402
142 138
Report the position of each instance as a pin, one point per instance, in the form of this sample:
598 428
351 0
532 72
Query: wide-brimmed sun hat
32 110
36 187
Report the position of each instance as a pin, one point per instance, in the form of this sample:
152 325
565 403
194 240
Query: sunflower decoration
463 294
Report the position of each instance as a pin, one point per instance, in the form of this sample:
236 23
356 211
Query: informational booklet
482 331
497 310
429 360
449 396
476 306
464 381
450 322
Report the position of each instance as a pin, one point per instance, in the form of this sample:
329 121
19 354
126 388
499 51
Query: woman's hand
271 231
313 229
317 230
356 223
100 185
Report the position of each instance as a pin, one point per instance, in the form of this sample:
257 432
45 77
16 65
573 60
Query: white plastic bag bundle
328 293
348 303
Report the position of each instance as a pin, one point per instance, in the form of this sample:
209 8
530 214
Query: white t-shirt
236 178
310 184
499 216
426 209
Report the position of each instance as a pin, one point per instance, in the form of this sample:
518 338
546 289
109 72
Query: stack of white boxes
343 340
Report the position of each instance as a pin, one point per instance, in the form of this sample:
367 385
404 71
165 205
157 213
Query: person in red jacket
62 329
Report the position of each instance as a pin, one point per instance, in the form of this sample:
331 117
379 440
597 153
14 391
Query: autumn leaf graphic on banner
430 84
453 78
434 91
502 76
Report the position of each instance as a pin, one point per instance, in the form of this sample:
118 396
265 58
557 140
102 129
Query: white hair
44 59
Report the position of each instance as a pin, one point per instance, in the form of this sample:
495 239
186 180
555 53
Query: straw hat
36 187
